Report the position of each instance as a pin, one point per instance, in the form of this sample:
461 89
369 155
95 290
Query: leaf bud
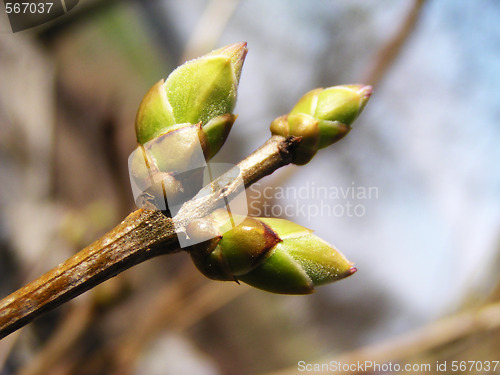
182 122
275 255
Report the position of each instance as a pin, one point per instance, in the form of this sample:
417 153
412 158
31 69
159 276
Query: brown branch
143 234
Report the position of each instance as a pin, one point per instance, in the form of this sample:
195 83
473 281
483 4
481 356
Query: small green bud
240 249
216 131
202 252
169 167
154 115
177 150
322 117
299 125
341 103
247 245
275 255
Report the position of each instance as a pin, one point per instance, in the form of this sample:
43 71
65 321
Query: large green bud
322 117
183 121
275 255
199 91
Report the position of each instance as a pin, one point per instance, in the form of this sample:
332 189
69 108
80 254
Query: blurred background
413 191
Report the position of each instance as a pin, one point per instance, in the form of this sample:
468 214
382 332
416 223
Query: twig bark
143 234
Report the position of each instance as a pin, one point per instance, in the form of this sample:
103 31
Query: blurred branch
389 52
144 234
70 330
209 28
431 337
195 304
205 300
163 309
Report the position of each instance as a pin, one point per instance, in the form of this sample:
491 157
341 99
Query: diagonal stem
389 52
143 234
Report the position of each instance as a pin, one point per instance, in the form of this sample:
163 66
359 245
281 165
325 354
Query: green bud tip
275 255
322 117
236 52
